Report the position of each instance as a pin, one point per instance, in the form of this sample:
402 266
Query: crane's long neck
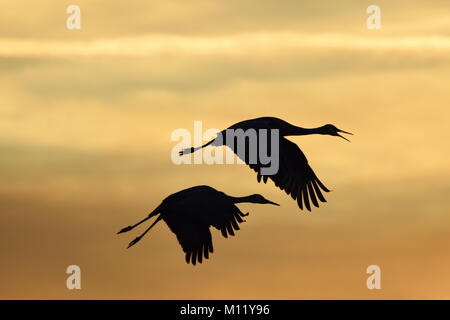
299 131
241 199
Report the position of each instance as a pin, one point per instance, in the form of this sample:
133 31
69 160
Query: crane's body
191 212
294 175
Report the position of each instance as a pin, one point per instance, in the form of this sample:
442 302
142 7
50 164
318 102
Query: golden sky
86 118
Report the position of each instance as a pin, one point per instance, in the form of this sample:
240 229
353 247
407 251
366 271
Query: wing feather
294 175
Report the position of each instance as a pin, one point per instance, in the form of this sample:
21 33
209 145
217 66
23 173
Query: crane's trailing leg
143 234
126 229
152 214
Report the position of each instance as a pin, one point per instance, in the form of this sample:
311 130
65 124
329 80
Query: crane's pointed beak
271 202
339 130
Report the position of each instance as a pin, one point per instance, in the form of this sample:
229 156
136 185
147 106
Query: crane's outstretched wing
294 176
192 227
195 239
228 219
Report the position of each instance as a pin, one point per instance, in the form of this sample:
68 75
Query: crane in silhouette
191 212
294 175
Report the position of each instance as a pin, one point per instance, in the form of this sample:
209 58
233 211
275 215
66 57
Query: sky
86 120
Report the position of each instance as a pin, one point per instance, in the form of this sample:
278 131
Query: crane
294 174
191 212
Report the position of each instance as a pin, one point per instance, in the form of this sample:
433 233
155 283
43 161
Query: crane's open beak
339 130
275 204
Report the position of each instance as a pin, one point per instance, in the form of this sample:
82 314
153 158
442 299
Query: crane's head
333 131
257 198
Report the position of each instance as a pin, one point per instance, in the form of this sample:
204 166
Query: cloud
243 44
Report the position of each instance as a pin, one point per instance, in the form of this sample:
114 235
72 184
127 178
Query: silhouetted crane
294 176
189 213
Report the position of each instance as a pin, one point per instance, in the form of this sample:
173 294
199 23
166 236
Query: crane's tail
192 149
